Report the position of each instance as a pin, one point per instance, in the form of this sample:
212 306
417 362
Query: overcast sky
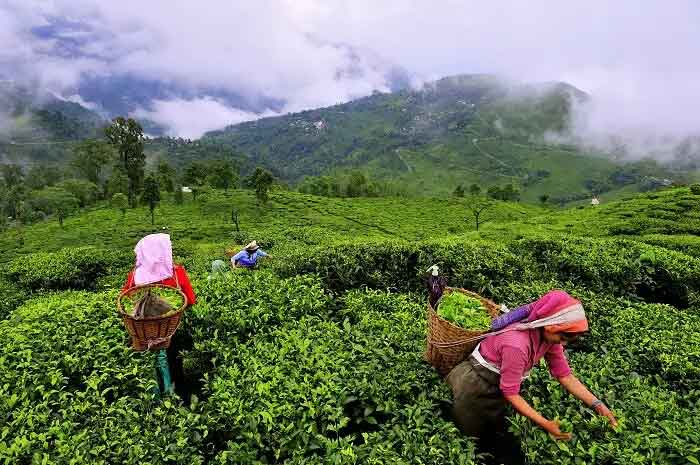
639 59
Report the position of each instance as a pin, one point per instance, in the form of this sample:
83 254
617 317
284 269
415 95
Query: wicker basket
150 332
448 344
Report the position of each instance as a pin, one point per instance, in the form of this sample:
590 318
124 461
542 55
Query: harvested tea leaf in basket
153 301
464 311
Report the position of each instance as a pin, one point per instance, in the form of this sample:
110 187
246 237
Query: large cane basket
448 344
150 332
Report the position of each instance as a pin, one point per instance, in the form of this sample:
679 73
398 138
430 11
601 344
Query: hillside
319 353
458 130
37 127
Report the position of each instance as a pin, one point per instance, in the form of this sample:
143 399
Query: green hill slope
458 130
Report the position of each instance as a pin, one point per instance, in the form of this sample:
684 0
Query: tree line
112 168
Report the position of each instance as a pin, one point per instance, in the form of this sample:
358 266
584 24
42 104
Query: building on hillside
186 190
595 201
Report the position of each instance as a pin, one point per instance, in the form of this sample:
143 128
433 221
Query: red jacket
182 279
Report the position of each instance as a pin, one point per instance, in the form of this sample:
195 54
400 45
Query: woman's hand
604 411
552 427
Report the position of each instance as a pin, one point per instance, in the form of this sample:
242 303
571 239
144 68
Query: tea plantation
316 358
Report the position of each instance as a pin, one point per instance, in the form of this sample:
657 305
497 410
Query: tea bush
70 268
72 392
657 425
619 266
476 265
239 304
11 297
319 391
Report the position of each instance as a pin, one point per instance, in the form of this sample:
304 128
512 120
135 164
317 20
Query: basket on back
448 344
150 332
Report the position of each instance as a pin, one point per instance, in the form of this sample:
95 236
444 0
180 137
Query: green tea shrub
695 189
12 297
659 340
622 267
72 392
656 425
240 304
475 265
69 268
319 391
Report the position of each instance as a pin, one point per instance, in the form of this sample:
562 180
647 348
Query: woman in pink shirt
490 378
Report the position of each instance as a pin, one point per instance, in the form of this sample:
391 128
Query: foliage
261 180
317 356
54 200
84 191
120 202
71 268
89 159
74 393
151 193
464 311
126 135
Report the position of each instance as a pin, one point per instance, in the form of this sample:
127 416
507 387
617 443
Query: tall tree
54 200
166 175
126 135
223 174
84 191
151 194
195 176
261 181
89 159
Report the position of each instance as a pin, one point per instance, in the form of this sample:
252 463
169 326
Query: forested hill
457 130
34 124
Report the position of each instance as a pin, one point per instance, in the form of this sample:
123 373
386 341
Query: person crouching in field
490 378
248 257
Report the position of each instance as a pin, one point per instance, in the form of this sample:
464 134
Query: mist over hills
454 131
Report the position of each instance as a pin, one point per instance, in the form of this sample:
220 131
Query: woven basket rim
491 308
131 290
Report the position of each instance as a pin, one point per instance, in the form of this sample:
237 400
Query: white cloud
638 59
192 118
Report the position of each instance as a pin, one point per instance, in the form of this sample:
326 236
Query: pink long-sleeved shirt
516 352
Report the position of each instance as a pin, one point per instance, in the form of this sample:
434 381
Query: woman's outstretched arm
572 384
552 427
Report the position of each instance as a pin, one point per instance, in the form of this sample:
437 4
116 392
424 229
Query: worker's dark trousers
479 409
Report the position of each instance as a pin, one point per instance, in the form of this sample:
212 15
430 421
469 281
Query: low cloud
636 60
192 118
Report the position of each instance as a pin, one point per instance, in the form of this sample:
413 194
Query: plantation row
277 370
316 370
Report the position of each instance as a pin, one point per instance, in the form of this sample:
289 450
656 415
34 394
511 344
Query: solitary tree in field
261 181
474 189
459 191
89 159
544 198
151 194
120 202
480 208
223 174
126 135
166 176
